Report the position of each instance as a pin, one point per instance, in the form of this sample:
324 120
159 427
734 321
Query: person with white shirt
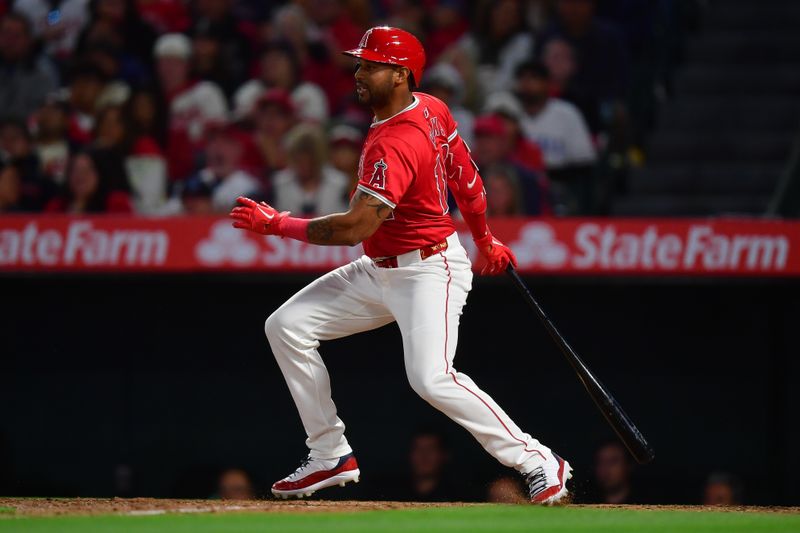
309 186
562 134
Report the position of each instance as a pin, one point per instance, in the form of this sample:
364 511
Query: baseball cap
278 97
173 45
506 104
490 124
346 134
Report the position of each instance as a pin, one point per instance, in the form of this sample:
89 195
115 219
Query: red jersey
403 163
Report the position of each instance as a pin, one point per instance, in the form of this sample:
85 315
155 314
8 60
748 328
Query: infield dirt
18 507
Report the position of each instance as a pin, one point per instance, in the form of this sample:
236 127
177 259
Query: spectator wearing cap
492 148
224 173
560 131
144 163
445 83
50 126
274 116
309 186
26 78
525 153
500 43
345 146
92 186
278 68
57 24
192 104
17 149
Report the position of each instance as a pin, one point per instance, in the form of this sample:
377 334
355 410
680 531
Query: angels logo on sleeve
378 179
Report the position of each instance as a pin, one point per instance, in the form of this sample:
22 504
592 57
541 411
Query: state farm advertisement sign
543 246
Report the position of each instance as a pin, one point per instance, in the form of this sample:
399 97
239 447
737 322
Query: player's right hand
259 217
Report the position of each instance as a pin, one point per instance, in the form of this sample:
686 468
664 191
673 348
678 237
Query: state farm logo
538 246
226 244
81 243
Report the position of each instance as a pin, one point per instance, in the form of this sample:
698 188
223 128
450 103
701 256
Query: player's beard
375 96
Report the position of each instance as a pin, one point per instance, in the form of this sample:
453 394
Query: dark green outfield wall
172 377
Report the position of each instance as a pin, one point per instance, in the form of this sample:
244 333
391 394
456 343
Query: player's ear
401 76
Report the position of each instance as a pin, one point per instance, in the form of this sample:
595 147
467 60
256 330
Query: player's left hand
498 255
261 218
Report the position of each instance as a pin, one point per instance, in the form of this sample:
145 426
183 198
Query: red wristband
294 228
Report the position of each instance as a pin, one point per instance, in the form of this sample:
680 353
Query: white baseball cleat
547 483
315 474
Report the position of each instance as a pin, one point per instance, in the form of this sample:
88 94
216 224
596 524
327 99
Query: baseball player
414 272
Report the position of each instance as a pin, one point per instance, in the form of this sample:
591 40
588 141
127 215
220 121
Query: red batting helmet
392 46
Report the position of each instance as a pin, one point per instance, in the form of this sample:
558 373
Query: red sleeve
467 186
387 170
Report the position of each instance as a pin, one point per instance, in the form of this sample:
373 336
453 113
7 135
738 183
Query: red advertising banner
608 246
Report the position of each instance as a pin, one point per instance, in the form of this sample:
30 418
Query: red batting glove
497 255
261 218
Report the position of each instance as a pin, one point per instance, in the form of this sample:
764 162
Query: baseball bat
612 411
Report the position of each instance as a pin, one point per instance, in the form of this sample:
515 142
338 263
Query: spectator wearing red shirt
89 190
492 148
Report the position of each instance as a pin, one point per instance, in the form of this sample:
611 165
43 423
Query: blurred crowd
163 107
430 477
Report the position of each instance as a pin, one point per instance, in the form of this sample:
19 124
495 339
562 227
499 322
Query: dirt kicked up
40 507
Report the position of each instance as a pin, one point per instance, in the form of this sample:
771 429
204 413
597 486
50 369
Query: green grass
474 519
7 510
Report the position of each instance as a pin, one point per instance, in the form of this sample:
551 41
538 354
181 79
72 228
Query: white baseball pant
426 298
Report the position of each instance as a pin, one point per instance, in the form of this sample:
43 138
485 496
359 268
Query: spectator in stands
499 44
603 61
87 83
145 165
148 113
10 189
503 195
560 131
492 148
345 146
447 24
50 124
278 69
210 63
217 27
317 54
56 24
428 458
26 78
235 484
445 83
558 56
196 198
89 189
224 173
309 186
17 148
506 489
116 23
722 488
525 152
273 118
192 104
612 473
